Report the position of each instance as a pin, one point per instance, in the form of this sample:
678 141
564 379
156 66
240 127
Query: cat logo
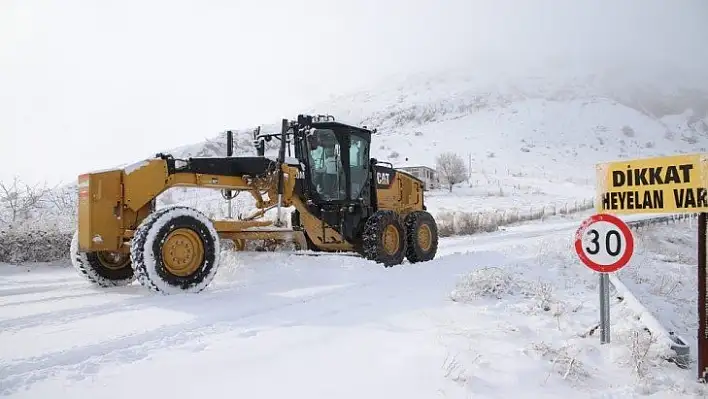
383 178
300 175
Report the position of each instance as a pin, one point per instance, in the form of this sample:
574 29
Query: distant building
428 175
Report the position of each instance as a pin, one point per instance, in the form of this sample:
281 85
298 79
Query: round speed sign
604 243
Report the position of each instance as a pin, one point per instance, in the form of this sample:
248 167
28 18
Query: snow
533 143
663 277
496 315
135 166
504 314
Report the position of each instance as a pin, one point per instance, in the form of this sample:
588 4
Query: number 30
596 242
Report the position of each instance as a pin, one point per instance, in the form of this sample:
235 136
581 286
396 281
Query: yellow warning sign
673 184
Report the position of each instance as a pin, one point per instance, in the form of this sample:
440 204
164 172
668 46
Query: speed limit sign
604 243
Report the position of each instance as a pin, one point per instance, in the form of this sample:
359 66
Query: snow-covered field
497 315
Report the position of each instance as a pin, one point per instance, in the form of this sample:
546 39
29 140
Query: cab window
358 164
326 171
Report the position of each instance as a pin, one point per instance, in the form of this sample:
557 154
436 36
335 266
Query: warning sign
673 184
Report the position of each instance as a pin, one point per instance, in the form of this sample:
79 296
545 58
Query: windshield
325 161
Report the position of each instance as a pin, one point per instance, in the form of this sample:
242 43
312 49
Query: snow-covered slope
530 141
534 125
531 125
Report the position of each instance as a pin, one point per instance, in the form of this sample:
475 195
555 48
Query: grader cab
343 200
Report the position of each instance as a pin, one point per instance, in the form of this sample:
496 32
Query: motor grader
343 200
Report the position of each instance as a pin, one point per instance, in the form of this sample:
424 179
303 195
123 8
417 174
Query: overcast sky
87 84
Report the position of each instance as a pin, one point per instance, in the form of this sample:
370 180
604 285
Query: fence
467 223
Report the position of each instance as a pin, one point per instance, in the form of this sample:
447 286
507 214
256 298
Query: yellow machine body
373 210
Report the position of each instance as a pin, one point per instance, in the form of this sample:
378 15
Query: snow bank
541 306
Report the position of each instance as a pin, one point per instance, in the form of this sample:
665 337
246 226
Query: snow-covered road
279 325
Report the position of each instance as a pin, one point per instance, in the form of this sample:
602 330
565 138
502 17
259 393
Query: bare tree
451 168
18 200
64 199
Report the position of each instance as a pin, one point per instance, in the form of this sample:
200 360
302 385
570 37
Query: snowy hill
519 122
531 126
531 141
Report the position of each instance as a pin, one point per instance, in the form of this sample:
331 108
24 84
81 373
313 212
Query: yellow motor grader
344 201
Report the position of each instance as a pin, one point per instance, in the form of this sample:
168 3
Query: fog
90 84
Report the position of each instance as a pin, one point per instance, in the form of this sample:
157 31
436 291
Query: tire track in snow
138 300
447 247
85 360
130 298
88 359
343 302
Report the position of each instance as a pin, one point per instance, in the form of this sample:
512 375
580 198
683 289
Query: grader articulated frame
344 201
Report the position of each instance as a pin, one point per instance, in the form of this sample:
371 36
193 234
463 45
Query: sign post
702 300
672 184
604 308
605 244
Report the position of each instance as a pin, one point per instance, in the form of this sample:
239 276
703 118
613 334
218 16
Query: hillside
532 141
537 122
532 126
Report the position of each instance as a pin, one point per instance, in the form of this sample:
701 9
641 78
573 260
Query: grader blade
270 238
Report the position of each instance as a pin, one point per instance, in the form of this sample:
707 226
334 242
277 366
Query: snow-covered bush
36 222
564 360
486 282
18 246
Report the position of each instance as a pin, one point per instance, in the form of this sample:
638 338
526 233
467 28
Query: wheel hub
425 238
182 252
391 240
113 260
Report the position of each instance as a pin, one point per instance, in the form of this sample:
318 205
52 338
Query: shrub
488 282
18 246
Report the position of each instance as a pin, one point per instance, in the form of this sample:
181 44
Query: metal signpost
605 244
702 300
672 184
228 194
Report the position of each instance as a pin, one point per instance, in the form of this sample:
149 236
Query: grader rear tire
384 239
175 250
104 269
421 236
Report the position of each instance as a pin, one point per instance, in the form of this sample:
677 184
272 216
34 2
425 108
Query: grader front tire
104 269
175 250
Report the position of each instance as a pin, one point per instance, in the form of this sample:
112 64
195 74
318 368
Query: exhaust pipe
281 161
229 153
